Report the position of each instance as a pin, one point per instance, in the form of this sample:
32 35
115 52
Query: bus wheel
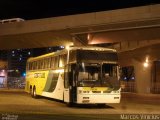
34 93
31 93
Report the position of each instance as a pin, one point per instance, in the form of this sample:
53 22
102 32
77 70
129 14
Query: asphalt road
18 105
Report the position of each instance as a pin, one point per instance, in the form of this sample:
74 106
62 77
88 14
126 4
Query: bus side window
35 65
52 62
43 61
56 62
66 76
31 65
38 64
65 59
49 62
62 60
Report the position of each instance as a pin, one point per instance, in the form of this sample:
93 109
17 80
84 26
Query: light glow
67 47
145 64
59 71
61 63
89 36
29 53
24 74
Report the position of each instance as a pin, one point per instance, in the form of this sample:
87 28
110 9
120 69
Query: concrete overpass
129 24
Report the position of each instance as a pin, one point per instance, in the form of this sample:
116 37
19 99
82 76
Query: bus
12 20
77 75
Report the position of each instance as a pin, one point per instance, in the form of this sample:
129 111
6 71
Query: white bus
12 20
81 75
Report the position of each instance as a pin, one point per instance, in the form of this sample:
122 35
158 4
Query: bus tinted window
30 66
38 64
49 62
72 56
56 62
96 55
45 63
66 77
62 60
52 62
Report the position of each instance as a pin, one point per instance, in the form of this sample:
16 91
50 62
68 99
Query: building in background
3 73
13 64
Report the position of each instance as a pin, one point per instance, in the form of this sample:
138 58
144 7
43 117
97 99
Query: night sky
35 9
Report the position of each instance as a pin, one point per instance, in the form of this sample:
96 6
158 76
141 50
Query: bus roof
39 57
72 48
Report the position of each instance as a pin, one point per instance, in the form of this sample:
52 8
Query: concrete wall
142 77
136 57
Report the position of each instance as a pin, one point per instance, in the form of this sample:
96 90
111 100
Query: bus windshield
95 75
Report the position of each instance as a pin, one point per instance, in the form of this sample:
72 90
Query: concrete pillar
142 76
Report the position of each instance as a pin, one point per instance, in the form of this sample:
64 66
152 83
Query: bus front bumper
98 98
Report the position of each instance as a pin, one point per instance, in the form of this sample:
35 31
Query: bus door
66 84
69 85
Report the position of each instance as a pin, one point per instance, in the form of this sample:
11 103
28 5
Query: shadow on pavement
90 106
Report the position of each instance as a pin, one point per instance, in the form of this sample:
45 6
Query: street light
145 64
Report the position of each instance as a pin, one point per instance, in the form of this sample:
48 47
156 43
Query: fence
16 82
128 86
155 88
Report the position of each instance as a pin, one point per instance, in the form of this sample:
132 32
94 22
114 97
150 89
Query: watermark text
140 116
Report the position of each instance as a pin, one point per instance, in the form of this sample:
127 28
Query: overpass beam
78 41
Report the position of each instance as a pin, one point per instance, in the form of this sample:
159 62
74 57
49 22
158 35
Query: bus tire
30 91
34 93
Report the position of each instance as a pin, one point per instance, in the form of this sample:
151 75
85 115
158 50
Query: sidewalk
11 90
142 98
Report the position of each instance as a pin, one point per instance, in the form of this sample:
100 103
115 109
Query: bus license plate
85 101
